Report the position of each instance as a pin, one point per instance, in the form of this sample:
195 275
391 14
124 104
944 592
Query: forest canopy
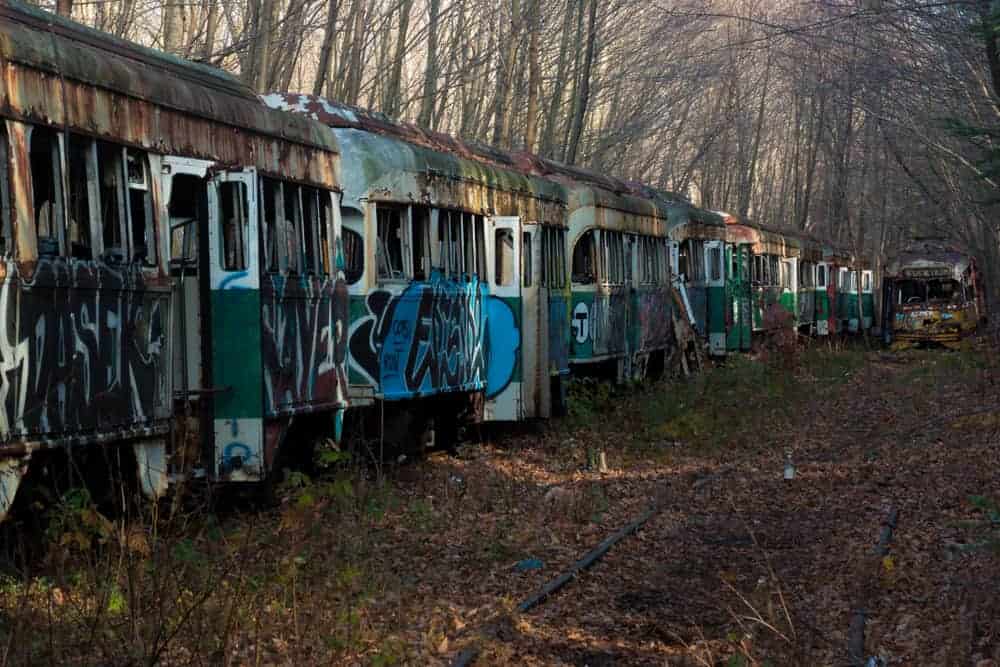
864 122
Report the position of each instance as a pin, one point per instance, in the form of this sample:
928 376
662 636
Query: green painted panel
716 310
236 353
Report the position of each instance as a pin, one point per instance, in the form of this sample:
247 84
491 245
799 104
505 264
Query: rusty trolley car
169 260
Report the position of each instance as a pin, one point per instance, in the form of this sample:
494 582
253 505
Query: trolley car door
823 306
505 322
715 310
235 326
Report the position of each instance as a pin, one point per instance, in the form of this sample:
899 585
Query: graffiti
81 350
433 337
609 322
304 331
654 319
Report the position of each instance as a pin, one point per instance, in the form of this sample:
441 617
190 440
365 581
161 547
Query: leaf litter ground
739 566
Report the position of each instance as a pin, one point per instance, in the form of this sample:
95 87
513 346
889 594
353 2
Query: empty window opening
310 229
187 194
584 254
354 255
469 244
140 207
389 251
45 185
455 260
112 207
292 226
270 204
821 276
527 259
479 230
421 245
235 217
503 274
82 164
715 261
325 225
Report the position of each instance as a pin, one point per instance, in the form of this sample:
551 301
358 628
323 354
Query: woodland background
865 122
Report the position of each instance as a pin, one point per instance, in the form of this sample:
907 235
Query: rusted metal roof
590 187
70 52
930 256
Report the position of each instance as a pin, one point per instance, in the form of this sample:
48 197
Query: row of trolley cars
214 280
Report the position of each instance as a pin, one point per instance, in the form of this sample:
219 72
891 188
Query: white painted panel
239 447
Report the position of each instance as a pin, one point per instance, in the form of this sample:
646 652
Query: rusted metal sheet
403 163
59 73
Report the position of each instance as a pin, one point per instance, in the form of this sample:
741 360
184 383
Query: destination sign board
928 272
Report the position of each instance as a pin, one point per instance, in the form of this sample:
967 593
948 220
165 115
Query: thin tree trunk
431 71
326 48
534 77
394 93
581 110
501 115
559 84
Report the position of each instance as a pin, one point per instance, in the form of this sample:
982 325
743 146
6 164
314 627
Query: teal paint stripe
236 354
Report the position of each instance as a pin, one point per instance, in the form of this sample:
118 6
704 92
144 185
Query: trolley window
234 219
140 208
81 161
503 274
584 254
46 180
5 216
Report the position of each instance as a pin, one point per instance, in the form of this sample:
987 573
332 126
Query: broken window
111 172
469 244
46 185
82 164
140 206
310 230
421 246
270 204
527 258
389 251
911 291
612 253
479 229
184 211
455 260
325 226
292 226
584 254
553 257
5 216
354 255
628 243
503 274
944 290
234 219
715 260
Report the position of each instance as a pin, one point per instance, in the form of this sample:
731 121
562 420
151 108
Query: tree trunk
501 115
559 84
534 77
431 70
581 109
394 93
326 47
